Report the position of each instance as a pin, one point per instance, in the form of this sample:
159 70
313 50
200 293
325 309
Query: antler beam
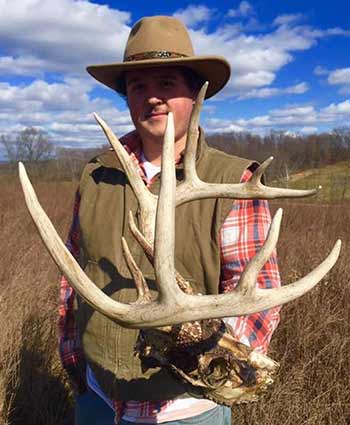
172 305
192 188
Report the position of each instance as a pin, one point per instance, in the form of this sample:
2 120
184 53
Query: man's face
154 92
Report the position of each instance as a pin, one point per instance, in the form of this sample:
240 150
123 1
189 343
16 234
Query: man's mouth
155 114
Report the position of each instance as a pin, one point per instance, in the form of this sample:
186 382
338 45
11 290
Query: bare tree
342 136
30 145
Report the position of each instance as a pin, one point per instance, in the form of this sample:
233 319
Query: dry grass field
312 342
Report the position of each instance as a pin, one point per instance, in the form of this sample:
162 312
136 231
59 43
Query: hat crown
162 41
158 34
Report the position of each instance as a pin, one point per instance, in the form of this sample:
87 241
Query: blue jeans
220 415
90 409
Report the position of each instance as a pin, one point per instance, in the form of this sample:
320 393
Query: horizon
289 70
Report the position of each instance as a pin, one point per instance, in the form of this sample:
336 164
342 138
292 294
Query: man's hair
193 80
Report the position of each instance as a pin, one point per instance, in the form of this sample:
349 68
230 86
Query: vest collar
132 143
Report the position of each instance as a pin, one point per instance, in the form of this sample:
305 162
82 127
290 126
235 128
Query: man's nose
152 94
154 99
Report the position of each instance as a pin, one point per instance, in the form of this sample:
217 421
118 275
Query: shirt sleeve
242 235
70 347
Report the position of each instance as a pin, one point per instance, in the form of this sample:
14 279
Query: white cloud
266 92
308 130
64 110
24 65
254 62
256 59
254 79
59 37
293 38
260 121
54 41
295 119
262 93
210 108
40 36
336 31
338 109
64 36
214 125
297 88
193 15
320 70
339 76
41 95
287 19
244 9
297 111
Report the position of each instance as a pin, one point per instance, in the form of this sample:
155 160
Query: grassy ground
33 389
335 181
312 342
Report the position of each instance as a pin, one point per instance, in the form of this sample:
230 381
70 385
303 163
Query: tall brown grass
312 342
33 388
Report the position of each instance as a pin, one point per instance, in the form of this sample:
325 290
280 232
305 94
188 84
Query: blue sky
290 64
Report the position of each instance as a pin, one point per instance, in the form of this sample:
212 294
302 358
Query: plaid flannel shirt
242 235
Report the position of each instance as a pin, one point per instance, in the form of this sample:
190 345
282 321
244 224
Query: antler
172 305
193 188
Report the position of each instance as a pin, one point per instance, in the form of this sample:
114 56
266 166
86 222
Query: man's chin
154 132
157 137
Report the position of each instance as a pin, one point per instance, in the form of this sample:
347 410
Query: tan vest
106 199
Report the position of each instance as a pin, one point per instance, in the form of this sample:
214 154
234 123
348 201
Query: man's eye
167 83
137 87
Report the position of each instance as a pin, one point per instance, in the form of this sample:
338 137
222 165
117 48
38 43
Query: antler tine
247 281
143 242
148 250
63 258
192 137
129 168
143 292
255 181
237 303
164 244
300 287
143 316
146 199
258 173
252 189
193 187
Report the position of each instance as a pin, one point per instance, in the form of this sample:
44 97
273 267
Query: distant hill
334 179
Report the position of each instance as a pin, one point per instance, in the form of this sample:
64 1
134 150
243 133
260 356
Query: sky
290 64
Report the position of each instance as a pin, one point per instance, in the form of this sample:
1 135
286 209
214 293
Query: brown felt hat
158 41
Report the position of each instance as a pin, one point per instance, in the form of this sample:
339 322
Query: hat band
161 54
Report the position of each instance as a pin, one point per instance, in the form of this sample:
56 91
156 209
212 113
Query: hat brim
214 69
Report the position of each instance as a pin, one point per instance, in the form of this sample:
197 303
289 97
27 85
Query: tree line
292 152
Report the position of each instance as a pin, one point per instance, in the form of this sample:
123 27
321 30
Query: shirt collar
133 145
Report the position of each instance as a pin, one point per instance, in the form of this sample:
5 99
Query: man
215 238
